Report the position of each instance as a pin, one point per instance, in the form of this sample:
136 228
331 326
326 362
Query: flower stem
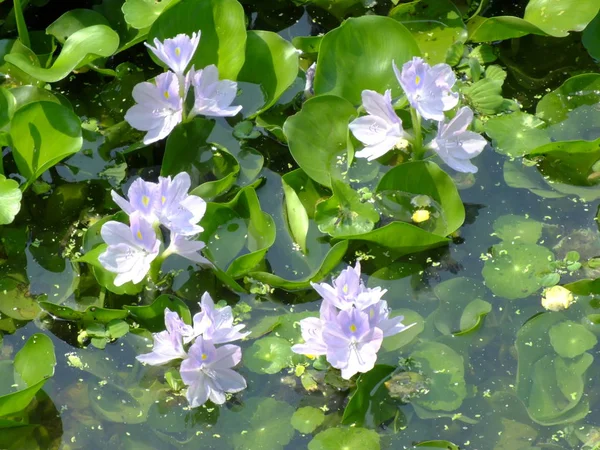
417 148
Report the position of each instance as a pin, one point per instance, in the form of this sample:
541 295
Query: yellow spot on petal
417 80
139 235
345 289
145 200
177 51
204 356
353 328
166 94
420 215
163 199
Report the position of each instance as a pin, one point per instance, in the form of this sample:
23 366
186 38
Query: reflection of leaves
511 227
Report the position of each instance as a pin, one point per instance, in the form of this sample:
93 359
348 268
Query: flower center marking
145 200
139 235
417 80
204 356
353 328
166 94
163 199
177 51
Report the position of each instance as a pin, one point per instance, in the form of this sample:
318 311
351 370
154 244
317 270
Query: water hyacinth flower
176 52
130 249
158 108
428 89
175 208
353 321
352 343
168 344
207 372
455 145
380 130
212 97
187 248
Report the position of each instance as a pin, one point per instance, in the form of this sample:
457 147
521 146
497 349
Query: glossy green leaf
74 20
344 214
591 37
307 419
577 91
318 136
212 169
516 134
8 104
361 399
272 64
397 341
152 317
551 387
43 133
345 439
223 27
16 300
517 228
80 48
237 234
141 14
30 94
21 25
358 55
329 262
571 339
485 96
445 368
483 29
268 355
296 215
426 178
515 270
10 200
93 314
435 24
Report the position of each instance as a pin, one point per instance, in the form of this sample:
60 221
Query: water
100 398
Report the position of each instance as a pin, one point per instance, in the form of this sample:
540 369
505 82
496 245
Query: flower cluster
160 105
131 249
353 321
429 93
206 369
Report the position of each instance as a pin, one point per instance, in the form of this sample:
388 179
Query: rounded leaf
10 200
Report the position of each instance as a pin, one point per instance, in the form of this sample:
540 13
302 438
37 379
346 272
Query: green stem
21 26
417 148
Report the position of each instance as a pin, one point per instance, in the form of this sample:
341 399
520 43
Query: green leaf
550 387
21 25
591 37
344 214
79 49
329 262
237 234
35 361
362 399
117 328
16 301
8 104
93 314
212 169
499 28
473 315
296 215
141 14
18 401
268 355
43 133
516 134
446 445
74 20
10 200
345 439
577 91
571 339
515 269
318 135
397 341
152 317
436 25
485 96
307 419
271 63
358 55
558 17
426 178
445 369
223 27
512 228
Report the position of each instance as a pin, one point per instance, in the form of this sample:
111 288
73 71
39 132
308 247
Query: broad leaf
10 200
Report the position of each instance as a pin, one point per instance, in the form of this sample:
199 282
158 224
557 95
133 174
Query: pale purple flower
347 290
379 317
309 90
455 145
428 89
352 343
215 324
130 249
177 210
142 197
212 97
158 108
312 334
207 372
380 130
176 52
168 344
187 247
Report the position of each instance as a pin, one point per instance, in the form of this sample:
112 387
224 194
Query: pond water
487 364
